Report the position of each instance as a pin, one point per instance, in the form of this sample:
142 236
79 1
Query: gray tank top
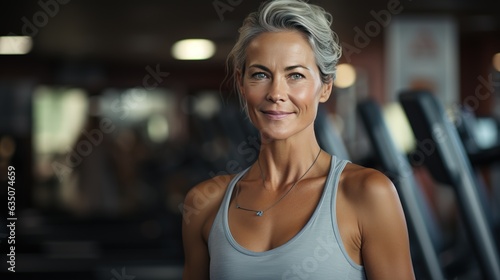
316 252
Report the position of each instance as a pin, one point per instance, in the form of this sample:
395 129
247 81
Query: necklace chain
259 213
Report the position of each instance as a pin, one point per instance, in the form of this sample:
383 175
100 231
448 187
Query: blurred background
108 119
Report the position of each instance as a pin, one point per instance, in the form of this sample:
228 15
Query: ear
326 91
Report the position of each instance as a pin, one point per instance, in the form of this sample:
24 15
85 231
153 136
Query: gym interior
111 111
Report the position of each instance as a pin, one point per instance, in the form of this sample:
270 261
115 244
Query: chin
272 135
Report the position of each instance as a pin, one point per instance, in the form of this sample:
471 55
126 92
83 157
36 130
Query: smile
276 115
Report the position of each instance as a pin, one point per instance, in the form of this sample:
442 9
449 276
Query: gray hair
285 15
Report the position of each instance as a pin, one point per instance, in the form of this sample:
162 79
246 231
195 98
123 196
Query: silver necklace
259 213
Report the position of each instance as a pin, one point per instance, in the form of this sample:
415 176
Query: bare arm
385 247
200 207
196 259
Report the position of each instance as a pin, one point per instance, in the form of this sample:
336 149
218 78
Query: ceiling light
193 49
346 76
15 44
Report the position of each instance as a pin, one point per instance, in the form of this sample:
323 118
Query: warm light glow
193 49
158 130
496 62
15 45
206 105
346 76
399 127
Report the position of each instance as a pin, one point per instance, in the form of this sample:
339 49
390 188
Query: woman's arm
200 207
385 247
196 258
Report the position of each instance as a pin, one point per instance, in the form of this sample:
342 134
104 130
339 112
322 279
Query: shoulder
202 202
198 211
381 223
203 197
370 192
367 183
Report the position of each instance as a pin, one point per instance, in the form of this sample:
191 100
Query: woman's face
281 84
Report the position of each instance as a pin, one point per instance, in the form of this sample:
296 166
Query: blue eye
296 76
259 76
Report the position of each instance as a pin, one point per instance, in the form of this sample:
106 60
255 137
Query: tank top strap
327 203
337 166
217 225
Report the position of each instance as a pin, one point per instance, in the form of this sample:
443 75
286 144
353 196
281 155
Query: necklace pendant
259 213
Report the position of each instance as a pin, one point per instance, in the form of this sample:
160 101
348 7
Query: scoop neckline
240 248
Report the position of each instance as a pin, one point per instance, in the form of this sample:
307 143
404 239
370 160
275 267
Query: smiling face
281 84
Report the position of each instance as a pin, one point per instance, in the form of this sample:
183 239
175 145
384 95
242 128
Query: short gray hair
285 15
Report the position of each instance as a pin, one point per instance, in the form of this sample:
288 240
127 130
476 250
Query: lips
276 115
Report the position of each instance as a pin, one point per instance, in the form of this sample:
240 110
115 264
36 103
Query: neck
283 162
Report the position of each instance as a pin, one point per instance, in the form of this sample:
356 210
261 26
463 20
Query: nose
277 91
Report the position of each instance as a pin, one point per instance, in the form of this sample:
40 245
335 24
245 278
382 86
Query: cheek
307 94
253 93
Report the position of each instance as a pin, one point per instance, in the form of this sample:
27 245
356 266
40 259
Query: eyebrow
288 68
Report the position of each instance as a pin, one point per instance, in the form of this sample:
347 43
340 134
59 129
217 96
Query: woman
297 212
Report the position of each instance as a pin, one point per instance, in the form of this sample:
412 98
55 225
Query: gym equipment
449 164
422 225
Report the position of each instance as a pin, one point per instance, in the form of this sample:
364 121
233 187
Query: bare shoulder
203 200
198 212
367 187
384 245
